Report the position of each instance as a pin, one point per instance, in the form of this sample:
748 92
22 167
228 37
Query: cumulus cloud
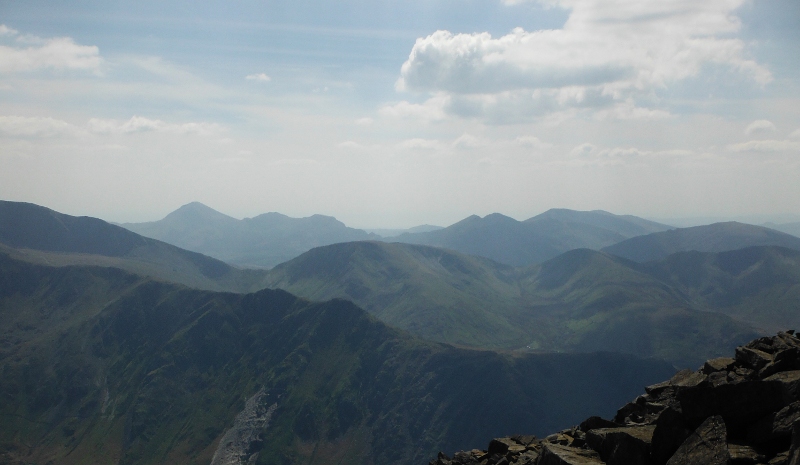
141 124
60 53
761 126
606 51
258 77
35 127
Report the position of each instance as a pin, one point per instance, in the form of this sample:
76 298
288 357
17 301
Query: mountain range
717 237
38 234
535 240
262 241
582 300
103 366
685 308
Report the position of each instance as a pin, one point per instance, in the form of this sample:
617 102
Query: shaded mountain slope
717 237
38 234
521 243
760 285
261 241
580 301
101 366
733 410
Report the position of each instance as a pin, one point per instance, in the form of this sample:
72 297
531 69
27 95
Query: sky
390 113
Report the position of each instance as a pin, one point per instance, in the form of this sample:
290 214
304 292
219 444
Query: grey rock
555 454
707 445
237 444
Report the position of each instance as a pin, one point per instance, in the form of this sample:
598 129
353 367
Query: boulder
789 382
739 404
556 454
707 445
670 432
622 446
718 364
752 358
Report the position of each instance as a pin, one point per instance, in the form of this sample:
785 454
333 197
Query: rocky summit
743 410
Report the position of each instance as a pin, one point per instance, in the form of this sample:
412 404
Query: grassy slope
104 367
760 285
581 300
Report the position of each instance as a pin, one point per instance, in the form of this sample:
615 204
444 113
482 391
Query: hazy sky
394 113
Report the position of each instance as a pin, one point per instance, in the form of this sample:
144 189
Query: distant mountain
262 241
396 232
718 237
582 300
788 228
521 243
38 234
101 366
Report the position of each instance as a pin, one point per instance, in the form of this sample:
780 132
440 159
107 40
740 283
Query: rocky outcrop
732 411
239 445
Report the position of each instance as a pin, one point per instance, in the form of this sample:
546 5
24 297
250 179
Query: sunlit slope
581 300
717 237
100 366
432 292
40 235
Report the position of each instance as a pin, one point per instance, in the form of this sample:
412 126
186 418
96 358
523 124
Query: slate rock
739 404
555 454
744 455
595 423
752 358
789 382
707 445
622 446
718 364
775 426
670 432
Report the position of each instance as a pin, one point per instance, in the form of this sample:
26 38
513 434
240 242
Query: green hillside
101 366
760 285
580 301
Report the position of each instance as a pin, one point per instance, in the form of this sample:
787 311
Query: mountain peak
196 211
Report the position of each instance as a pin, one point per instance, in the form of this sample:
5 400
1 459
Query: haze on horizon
393 114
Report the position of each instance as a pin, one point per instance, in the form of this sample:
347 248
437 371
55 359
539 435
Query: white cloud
431 110
766 146
795 134
761 126
608 51
589 154
60 53
367 121
532 142
420 144
258 77
35 127
7 31
468 141
141 124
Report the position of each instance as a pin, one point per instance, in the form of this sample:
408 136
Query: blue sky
391 114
